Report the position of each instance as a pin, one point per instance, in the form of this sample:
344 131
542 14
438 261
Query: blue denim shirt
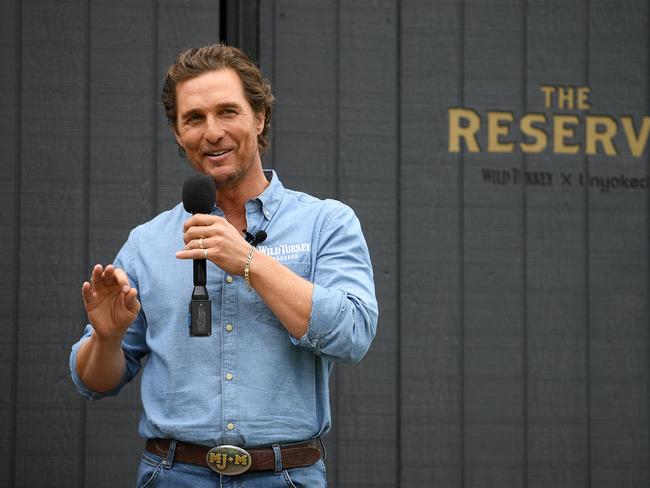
250 383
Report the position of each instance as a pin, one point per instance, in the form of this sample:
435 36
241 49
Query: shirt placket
229 325
231 320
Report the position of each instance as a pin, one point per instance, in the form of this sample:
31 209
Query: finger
200 220
96 277
131 300
122 279
200 243
87 292
193 254
195 244
109 275
195 233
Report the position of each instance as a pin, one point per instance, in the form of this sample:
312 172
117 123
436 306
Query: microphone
199 196
254 240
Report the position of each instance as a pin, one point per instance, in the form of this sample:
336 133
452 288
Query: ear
177 136
259 122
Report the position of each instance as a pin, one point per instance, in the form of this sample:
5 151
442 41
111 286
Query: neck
232 199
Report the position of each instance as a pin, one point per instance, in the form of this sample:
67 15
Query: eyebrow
220 106
230 105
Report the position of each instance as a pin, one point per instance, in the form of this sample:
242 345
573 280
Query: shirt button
229 279
229 327
229 376
230 426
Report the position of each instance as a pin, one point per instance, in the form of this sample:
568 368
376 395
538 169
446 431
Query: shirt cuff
326 305
81 386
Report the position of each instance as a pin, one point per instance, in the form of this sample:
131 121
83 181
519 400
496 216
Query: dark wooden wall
513 346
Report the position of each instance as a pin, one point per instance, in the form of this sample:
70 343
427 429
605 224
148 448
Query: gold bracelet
247 267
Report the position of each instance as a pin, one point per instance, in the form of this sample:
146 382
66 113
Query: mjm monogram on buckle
230 460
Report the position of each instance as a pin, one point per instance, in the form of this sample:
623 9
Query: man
282 313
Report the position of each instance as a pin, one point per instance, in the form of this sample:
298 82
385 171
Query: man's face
216 126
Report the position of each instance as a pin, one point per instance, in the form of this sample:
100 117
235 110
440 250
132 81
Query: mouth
217 155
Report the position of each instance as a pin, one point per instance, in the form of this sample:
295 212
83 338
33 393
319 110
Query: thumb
131 301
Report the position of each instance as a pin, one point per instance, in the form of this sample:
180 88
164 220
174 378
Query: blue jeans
157 472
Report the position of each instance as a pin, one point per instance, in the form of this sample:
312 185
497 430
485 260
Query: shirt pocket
262 312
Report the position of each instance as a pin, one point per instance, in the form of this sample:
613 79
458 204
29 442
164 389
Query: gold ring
205 254
201 243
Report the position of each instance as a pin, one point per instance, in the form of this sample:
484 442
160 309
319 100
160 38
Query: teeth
219 153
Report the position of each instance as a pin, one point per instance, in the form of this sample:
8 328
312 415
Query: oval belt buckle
229 460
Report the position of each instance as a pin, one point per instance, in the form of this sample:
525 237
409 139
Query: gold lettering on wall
463 123
559 133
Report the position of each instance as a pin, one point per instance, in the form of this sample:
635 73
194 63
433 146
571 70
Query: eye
194 118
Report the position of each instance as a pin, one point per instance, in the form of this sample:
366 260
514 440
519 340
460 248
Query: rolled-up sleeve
78 382
343 320
133 352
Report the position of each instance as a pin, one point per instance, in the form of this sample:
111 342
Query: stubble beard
234 177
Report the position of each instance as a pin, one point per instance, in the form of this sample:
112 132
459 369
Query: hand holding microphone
210 236
214 238
198 198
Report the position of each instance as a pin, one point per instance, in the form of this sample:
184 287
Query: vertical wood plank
182 24
618 254
53 106
492 254
120 188
367 422
305 90
430 252
557 423
9 225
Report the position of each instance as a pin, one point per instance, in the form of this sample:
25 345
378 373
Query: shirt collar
272 195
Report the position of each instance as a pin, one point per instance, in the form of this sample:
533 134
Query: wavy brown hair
194 62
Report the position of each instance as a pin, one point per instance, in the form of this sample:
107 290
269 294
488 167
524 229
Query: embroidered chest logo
285 252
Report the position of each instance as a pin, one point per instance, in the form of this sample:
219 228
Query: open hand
111 303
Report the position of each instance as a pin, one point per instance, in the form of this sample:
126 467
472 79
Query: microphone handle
200 305
200 274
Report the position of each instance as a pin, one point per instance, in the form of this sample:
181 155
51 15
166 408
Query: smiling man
248 405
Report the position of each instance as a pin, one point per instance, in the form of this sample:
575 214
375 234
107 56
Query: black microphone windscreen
260 236
199 194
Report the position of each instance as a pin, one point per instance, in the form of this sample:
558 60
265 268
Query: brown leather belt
259 458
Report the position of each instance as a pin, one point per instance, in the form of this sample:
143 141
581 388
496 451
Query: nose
213 130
